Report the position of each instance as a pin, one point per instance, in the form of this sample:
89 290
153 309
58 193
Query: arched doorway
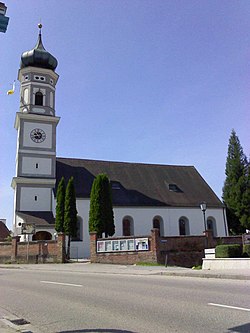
42 235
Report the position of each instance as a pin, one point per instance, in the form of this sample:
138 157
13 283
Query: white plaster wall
47 128
221 225
29 165
79 249
82 207
14 210
17 229
28 203
143 221
38 110
17 149
51 100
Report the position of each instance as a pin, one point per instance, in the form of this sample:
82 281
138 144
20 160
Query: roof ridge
122 162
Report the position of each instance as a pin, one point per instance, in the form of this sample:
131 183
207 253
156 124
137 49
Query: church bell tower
36 139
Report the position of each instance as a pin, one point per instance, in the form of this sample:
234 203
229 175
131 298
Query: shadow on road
97 330
240 329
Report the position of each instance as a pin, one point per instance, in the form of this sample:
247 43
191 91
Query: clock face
37 135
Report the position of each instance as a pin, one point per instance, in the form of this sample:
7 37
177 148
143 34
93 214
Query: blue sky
140 81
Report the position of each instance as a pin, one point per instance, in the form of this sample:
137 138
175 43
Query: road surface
75 302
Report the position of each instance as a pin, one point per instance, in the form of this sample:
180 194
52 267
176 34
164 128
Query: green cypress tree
101 217
235 183
70 213
95 217
108 214
245 203
60 199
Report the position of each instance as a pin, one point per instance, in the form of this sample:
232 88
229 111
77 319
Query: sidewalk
7 326
4 328
85 267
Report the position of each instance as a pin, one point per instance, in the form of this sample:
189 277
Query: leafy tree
101 216
235 184
60 199
70 213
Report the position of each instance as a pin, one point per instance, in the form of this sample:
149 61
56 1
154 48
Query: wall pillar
155 244
93 242
61 253
209 239
14 243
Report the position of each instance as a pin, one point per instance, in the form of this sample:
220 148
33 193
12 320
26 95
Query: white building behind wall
142 219
144 195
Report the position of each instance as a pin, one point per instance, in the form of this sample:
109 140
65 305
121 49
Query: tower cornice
36 117
32 181
31 69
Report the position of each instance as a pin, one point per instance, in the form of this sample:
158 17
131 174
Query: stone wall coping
38 242
227 259
226 263
183 236
123 237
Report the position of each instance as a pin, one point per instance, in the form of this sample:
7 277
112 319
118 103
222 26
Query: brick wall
33 252
5 252
185 251
126 257
228 240
181 251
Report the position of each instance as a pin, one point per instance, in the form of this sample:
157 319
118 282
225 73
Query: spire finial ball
40 25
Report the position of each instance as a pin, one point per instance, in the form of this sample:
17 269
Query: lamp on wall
203 207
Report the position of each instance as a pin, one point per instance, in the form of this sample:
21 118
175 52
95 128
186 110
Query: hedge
228 251
246 250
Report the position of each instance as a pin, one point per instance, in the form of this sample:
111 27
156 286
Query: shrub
228 251
246 251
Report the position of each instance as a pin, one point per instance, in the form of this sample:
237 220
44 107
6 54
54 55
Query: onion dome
38 56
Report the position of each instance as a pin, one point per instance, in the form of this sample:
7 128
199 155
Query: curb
143 272
208 275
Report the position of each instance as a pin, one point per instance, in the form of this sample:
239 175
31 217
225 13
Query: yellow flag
11 91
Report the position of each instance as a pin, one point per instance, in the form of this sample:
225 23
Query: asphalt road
75 302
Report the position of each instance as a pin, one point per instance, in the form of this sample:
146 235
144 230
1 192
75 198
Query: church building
145 196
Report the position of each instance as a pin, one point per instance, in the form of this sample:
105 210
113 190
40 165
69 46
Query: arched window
39 98
184 226
158 224
211 225
127 226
